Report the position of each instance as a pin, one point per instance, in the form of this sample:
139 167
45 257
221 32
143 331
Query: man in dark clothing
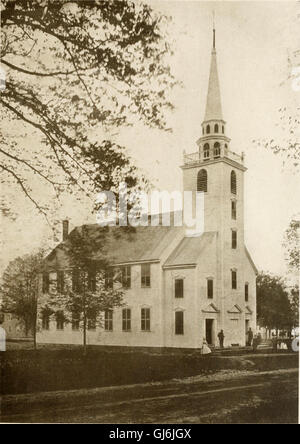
250 337
221 338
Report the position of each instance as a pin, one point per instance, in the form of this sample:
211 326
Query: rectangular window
109 278
76 280
45 282
126 319
233 279
145 319
92 280
233 209
210 288
75 321
246 292
178 288
145 275
233 239
179 323
60 320
126 276
45 321
108 320
91 322
60 282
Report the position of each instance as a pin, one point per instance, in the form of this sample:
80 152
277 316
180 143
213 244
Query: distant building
179 289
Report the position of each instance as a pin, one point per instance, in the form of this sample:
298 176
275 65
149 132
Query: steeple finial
214 31
213 104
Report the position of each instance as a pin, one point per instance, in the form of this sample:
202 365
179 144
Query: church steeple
213 104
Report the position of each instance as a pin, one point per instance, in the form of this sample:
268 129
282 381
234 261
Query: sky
254 41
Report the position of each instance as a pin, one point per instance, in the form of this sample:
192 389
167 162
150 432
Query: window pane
145 275
246 292
178 288
234 239
233 182
233 210
202 181
108 320
126 319
145 319
179 322
45 282
210 289
234 280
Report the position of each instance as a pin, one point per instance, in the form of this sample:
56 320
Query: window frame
233 209
233 239
126 320
45 282
60 320
234 279
202 179
177 280
60 281
210 288
179 327
246 291
108 320
126 276
146 275
145 319
233 182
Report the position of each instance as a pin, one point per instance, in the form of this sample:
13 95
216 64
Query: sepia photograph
149 214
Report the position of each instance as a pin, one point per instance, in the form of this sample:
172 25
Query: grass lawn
66 368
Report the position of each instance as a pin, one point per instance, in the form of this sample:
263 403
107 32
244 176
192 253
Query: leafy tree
273 305
94 287
294 299
76 71
292 245
20 288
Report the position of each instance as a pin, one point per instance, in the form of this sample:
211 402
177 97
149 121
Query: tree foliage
20 288
75 72
292 245
91 296
274 310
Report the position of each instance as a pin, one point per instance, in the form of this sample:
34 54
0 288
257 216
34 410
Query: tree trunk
84 322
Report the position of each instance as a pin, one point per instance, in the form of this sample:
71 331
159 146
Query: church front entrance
209 331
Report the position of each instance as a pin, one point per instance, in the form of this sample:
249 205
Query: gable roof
123 244
189 250
250 260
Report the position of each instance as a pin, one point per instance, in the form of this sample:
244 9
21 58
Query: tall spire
213 103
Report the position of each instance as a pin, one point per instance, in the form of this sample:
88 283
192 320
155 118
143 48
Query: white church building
179 289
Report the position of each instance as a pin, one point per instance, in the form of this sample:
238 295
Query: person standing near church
250 337
221 337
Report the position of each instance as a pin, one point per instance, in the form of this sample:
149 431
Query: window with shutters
233 182
202 181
